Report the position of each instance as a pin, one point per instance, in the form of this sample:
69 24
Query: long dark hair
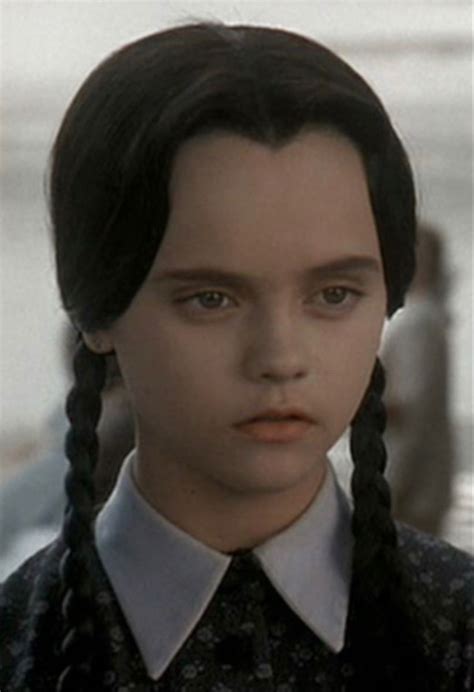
109 208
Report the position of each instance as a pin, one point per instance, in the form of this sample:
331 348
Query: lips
281 426
279 415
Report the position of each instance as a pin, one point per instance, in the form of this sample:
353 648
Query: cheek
350 362
354 343
173 371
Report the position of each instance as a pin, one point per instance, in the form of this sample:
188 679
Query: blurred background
416 54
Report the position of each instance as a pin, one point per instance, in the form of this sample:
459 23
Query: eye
335 295
208 300
337 298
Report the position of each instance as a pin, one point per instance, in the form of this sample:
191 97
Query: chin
272 475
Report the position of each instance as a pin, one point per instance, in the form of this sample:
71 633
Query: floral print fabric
248 639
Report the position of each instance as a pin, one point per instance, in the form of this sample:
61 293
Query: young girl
233 219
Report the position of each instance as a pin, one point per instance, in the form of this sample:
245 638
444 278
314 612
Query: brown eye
207 301
335 295
210 299
335 301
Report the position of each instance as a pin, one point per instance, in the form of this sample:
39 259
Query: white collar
164 579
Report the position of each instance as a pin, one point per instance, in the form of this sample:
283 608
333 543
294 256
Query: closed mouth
276 430
275 416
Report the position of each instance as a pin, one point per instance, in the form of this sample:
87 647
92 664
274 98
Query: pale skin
295 321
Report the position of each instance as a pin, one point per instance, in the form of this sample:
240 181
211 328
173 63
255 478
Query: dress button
235 650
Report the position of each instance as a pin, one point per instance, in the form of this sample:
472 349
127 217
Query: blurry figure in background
33 500
415 353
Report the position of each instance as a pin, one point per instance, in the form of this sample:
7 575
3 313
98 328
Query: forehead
237 201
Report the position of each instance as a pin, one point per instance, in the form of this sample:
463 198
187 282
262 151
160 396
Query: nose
277 350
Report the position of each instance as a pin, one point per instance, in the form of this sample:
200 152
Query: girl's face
267 293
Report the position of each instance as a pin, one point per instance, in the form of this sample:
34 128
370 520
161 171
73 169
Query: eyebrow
345 265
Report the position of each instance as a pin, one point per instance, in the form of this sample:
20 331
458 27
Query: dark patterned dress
248 639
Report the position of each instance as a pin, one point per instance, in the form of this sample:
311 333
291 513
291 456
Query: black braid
370 490
83 409
384 647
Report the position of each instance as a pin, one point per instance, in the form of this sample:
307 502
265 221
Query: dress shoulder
32 579
28 604
436 565
441 582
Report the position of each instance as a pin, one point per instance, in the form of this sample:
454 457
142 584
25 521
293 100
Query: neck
223 519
